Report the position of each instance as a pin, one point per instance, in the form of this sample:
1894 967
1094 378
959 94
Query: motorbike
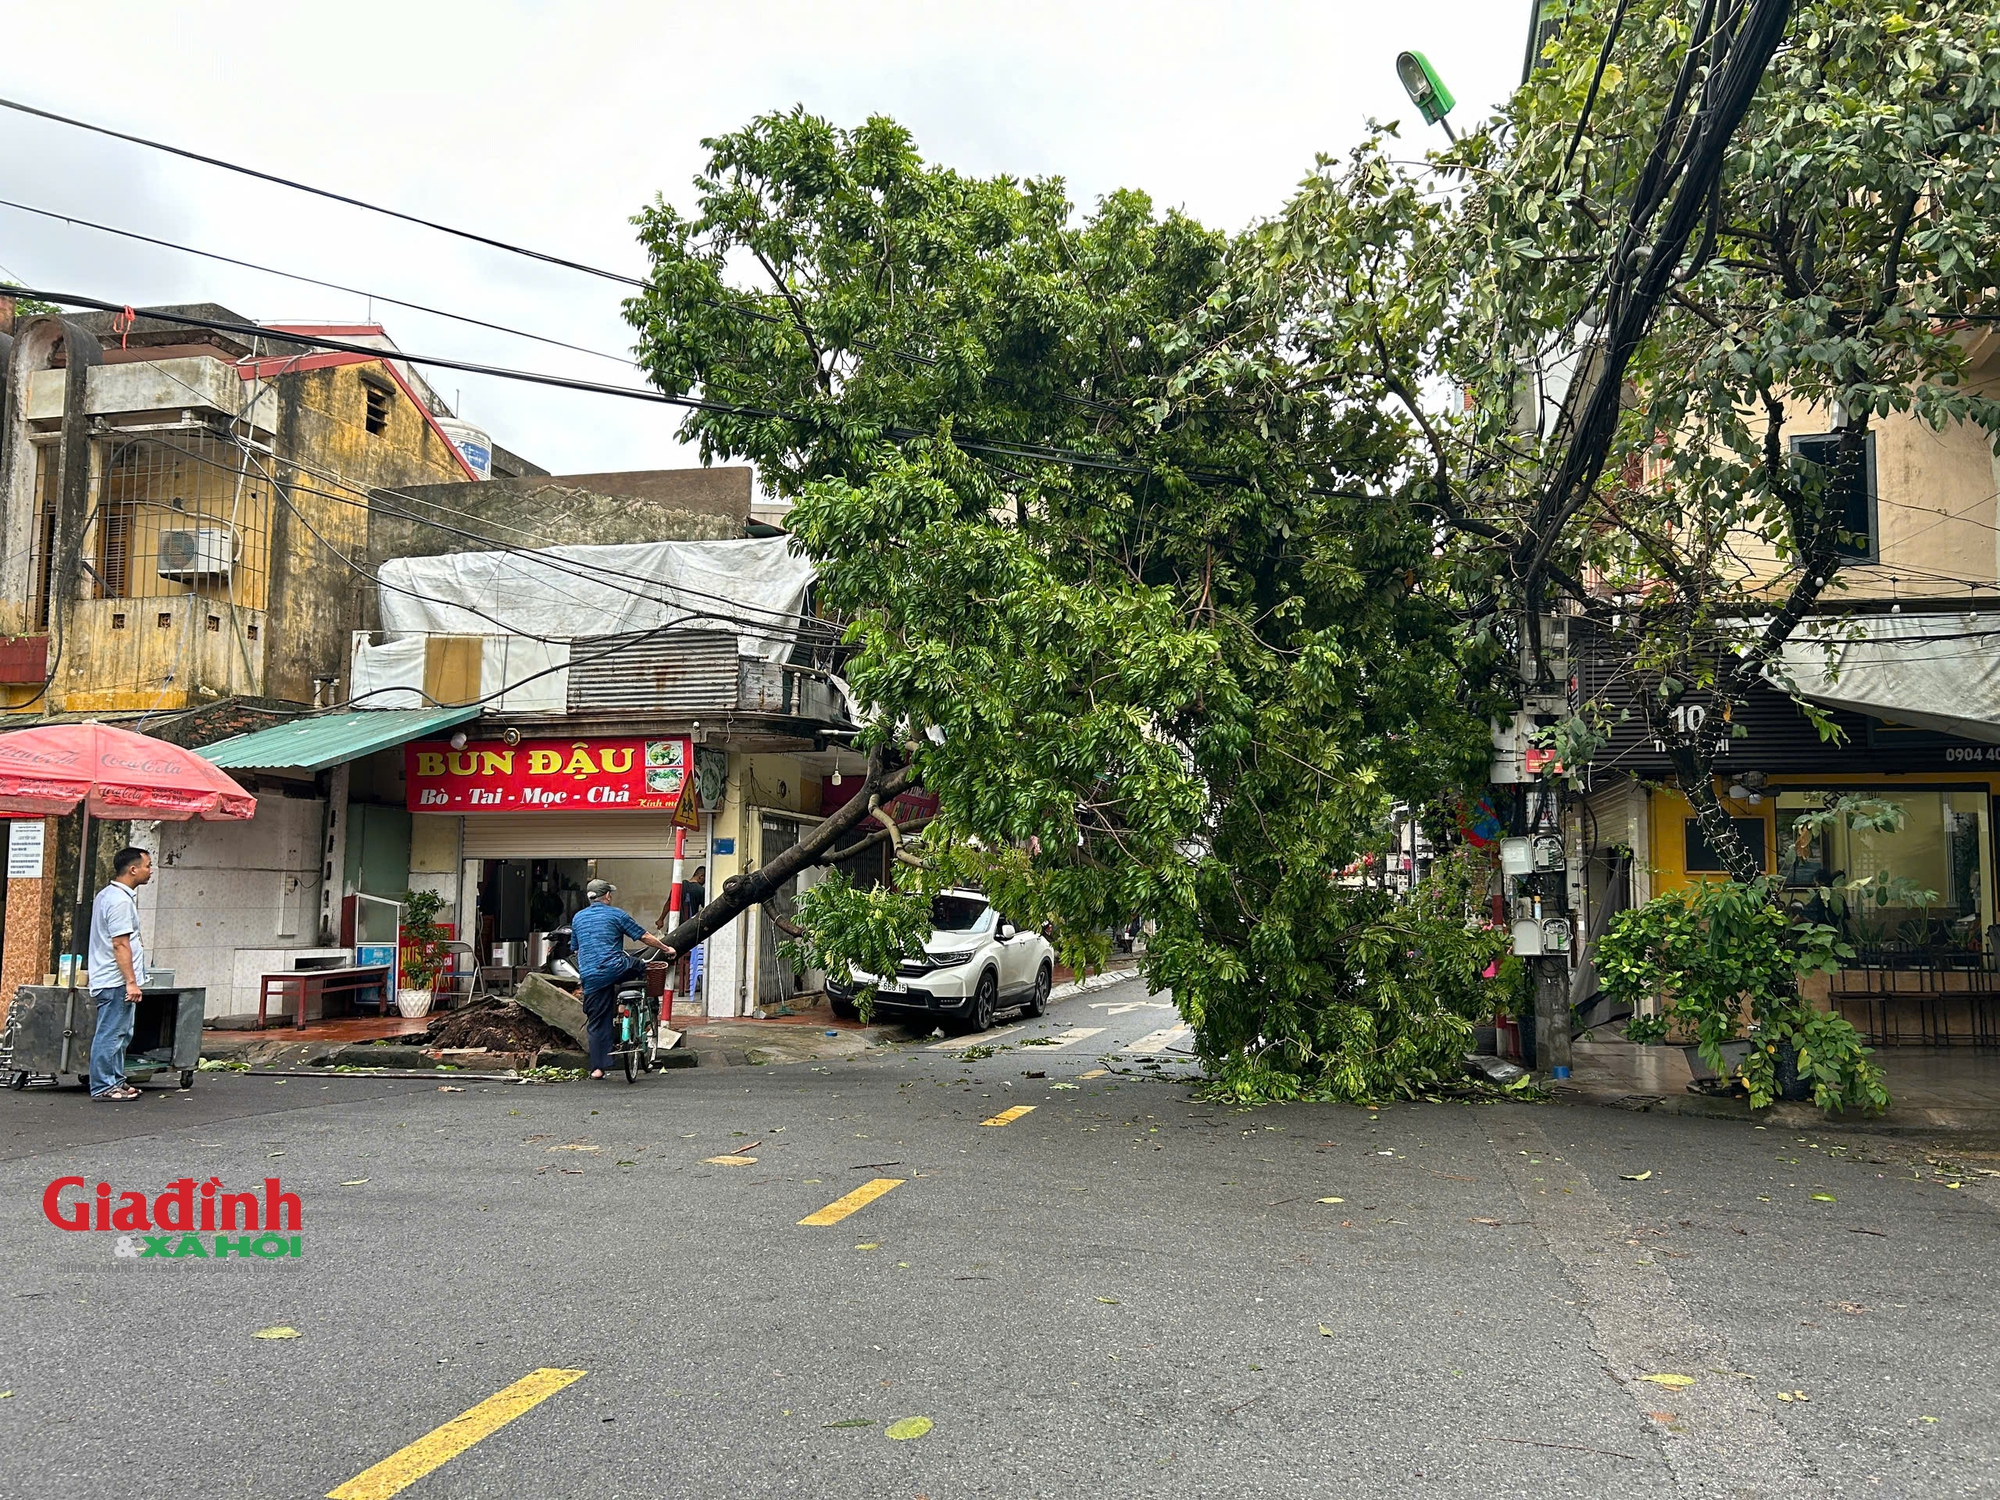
561 962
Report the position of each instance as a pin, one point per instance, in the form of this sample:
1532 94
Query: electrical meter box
1547 853
1516 857
1527 938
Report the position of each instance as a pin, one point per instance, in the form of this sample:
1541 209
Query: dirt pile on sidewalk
499 1025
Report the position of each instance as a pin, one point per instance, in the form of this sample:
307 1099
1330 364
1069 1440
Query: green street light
1426 90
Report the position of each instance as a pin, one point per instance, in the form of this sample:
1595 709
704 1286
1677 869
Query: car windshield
960 914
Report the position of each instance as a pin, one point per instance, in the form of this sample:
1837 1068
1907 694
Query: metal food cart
50 1028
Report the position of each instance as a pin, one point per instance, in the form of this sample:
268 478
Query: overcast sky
551 125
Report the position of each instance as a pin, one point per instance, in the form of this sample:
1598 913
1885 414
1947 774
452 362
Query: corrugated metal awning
313 744
679 673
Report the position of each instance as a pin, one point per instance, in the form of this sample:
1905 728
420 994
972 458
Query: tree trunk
1697 779
741 892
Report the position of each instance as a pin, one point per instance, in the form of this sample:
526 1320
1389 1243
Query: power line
332 286
757 314
779 622
327 193
1597 78
1030 452
779 625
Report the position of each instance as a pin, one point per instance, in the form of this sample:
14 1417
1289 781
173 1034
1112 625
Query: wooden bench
304 986
1930 983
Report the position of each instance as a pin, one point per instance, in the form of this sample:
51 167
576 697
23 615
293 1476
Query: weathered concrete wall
28 906
158 654
646 505
316 596
219 887
154 388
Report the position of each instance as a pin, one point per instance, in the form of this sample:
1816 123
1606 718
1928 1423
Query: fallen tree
826 843
1162 638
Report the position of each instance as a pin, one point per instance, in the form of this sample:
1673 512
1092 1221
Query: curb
430 1073
1090 982
1909 1121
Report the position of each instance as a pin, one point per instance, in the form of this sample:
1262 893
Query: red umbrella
117 773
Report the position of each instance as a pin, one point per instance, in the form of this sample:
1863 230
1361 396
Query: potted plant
1726 960
424 957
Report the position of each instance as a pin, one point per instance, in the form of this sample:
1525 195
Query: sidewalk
1931 1089
812 1034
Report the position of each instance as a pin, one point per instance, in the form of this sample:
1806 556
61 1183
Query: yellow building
183 506
187 502
1911 681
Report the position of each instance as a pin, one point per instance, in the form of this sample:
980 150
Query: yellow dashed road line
404 1468
861 1197
1009 1116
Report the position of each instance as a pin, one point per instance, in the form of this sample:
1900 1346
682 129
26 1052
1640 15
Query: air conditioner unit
204 552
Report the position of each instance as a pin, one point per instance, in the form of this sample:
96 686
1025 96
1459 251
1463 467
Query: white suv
975 965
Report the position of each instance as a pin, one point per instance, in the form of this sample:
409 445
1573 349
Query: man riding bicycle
599 932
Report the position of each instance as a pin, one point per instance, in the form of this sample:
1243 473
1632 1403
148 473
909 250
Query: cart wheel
187 1078
17 1081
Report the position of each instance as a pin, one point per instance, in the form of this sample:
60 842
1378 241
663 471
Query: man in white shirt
117 971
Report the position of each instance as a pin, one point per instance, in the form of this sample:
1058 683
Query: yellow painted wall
285 614
1669 811
1937 502
316 598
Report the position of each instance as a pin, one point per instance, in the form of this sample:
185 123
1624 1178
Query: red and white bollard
673 921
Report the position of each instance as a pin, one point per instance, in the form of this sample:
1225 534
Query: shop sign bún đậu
576 775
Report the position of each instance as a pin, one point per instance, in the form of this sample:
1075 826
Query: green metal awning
313 744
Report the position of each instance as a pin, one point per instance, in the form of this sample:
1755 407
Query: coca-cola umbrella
112 773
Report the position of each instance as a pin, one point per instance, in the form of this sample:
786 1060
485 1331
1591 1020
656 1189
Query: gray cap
597 890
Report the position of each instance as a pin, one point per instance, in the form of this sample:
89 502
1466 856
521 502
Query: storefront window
1924 884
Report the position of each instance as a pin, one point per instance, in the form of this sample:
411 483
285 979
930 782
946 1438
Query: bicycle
637 1019
638 1028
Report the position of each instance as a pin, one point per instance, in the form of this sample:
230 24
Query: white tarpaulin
751 586
1933 671
516 675
390 675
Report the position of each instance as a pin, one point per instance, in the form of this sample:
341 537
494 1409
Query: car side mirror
1007 931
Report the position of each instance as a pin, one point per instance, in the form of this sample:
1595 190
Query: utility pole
1534 862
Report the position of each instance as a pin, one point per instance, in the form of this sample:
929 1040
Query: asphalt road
1120 1292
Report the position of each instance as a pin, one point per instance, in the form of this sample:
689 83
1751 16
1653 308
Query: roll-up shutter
561 835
